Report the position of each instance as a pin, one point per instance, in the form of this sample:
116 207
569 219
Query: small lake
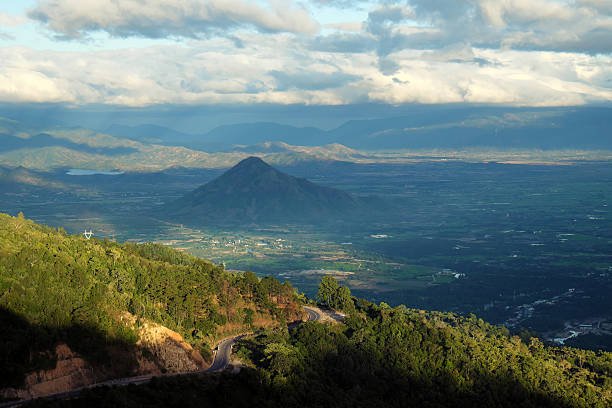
85 172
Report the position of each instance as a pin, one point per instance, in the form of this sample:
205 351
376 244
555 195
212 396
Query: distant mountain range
61 147
424 128
253 191
423 133
10 143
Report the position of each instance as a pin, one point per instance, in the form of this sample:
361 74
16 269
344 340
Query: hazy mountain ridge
84 148
10 143
428 127
427 132
148 133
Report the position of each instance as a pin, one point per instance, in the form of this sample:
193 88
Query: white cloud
559 25
11 20
520 52
603 6
354 26
273 69
168 18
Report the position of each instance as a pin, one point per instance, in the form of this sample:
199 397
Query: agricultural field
524 245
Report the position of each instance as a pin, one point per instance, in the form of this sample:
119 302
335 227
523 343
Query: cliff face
169 352
159 350
70 372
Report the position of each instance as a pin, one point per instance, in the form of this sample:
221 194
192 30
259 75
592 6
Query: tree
343 299
328 289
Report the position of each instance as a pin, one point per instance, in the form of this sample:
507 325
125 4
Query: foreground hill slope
254 191
65 300
123 309
387 357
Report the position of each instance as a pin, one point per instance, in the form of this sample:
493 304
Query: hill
151 134
73 308
253 191
260 132
24 180
117 309
387 357
142 148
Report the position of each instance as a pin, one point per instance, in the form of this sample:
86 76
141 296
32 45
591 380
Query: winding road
313 314
221 360
223 355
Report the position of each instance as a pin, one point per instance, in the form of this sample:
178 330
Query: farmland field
524 245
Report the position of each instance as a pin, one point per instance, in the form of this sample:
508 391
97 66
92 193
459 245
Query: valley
481 238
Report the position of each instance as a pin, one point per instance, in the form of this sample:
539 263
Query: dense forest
382 356
56 288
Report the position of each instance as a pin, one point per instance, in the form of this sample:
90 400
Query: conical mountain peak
252 161
251 164
253 190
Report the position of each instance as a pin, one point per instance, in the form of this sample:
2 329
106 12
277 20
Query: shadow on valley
27 347
11 143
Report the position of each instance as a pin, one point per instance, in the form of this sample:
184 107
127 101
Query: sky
146 53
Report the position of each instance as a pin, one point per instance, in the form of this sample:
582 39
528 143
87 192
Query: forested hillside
387 357
94 295
57 288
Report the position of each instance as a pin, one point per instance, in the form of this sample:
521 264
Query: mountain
442 127
9 143
226 136
223 137
254 191
502 128
384 357
148 133
334 151
22 179
60 147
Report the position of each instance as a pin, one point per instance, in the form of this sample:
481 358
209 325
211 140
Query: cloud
11 20
353 26
518 52
310 80
6 36
584 25
342 4
273 68
74 19
510 77
343 43
603 6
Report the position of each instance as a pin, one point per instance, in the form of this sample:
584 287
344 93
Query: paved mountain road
221 361
223 355
314 315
